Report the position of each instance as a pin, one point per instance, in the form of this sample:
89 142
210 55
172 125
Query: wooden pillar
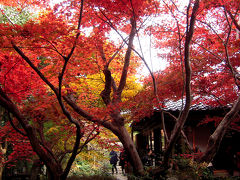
157 140
150 141
157 145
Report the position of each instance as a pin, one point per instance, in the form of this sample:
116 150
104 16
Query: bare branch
105 94
2 11
127 58
74 152
78 33
234 19
36 144
124 40
183 116
14 127
229 64
89 138
19 51
216 137
164 127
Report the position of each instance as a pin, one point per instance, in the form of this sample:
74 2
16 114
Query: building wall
198 136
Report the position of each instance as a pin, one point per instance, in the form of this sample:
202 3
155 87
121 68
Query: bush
184 168
84 171
94 177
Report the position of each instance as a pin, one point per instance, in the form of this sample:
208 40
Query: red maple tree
48 57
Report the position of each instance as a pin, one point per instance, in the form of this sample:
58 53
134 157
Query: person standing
113 161
122 161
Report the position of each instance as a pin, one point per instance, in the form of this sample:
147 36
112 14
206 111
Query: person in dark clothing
113 161
122 161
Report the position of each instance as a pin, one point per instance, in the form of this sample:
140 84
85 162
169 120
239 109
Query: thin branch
19 51
89 138
180 38
36 145
78 33
182 132
225 13
142 58
54 47
79 132
14 127
115 54
127 58
233 18
234 74
164 127
215 55
182 118
74 152
66 59
85 114
210 27
2 11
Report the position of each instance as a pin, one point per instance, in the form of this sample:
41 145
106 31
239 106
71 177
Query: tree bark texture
2 159
130 148
216 138
53 166
182 119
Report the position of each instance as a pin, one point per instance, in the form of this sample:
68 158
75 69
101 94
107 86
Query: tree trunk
1 170
55 172
117 127
53 166
216 138
130 148
188 71
2 159
35 170
54 175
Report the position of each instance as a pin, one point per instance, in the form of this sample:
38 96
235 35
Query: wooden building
148 134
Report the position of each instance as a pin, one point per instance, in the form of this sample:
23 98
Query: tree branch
20 52
127 58
14 127
181 120
216 137
31 134
89 138
233 19
78 33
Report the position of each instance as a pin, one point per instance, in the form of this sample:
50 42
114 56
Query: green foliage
14 15
105 169
184 168
85 171
84 168
95 177
91 162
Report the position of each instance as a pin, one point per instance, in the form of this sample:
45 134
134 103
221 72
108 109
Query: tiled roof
179 105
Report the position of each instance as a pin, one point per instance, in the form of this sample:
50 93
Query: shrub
93 177
185 168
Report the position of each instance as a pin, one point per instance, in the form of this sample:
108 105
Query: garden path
120 176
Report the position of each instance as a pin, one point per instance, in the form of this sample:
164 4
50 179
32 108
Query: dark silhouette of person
113 161
123 159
